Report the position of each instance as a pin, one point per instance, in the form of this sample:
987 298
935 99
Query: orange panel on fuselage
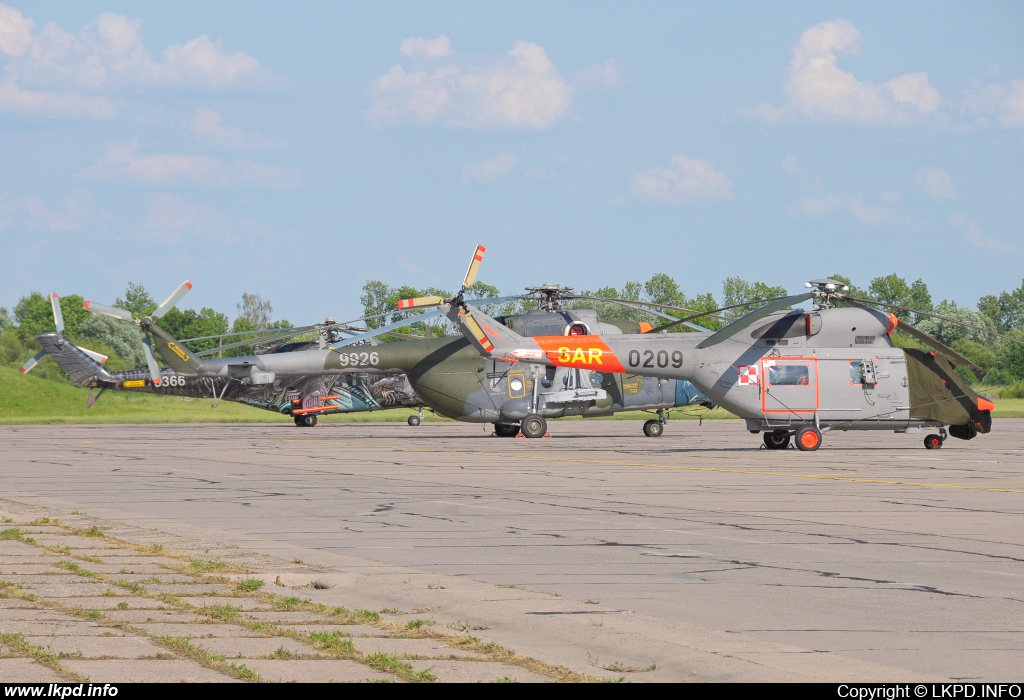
581 351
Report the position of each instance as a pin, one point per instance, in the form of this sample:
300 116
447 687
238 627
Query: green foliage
191 324
739 291
34 315
1005 310
949 332
893 289
137 300
1011 356
124 340
5 319
250 584
1016 391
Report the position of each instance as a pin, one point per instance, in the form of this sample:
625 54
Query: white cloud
608 75
15 31
684 180
816 89
431 48
811 205
207 124
829 204
123 162
1005 104
53 104
974 235
491 169
935 182
109 53
176 219
30 213
522 91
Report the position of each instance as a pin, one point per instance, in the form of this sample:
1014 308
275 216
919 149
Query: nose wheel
808 438
533 426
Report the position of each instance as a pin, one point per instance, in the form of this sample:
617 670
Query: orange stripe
985 405
581 351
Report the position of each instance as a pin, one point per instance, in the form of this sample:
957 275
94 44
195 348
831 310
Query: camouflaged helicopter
447 374
790 374
304 397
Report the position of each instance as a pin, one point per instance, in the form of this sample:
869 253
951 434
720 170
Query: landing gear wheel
933 442
305 421
653 428
776 440
808 438
533 426
413 421
506 429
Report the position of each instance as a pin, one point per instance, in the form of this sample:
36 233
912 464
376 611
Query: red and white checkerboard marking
748 375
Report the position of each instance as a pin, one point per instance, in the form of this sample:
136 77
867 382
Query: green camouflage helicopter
790 374
304 397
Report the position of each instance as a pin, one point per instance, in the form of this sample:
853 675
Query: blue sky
297 150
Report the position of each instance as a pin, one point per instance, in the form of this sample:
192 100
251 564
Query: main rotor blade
637 302
642 306
931 315
33 361
474 267
154 368
384 329
58 316
105 310
751 318
170 301
928 340
255 340
419 302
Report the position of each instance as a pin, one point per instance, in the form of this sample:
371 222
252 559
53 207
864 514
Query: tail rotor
58 322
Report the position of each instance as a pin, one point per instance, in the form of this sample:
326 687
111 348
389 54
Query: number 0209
652 359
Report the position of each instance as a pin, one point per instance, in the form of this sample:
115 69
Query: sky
299 150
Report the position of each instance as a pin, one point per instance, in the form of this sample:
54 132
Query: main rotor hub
549 295
827 291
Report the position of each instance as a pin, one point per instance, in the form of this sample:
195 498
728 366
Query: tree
257 312
738 291
190 324
1006 310
949 332
5 319
893 289
124 339
35 315
137 300
662 289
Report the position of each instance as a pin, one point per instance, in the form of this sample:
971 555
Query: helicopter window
516 386
856 372
596 378
793 375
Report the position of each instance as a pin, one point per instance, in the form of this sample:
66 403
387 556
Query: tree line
1002 362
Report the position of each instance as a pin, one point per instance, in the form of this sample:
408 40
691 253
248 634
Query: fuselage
833 367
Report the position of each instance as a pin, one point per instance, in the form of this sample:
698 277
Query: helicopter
304 398
447 374
790 374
